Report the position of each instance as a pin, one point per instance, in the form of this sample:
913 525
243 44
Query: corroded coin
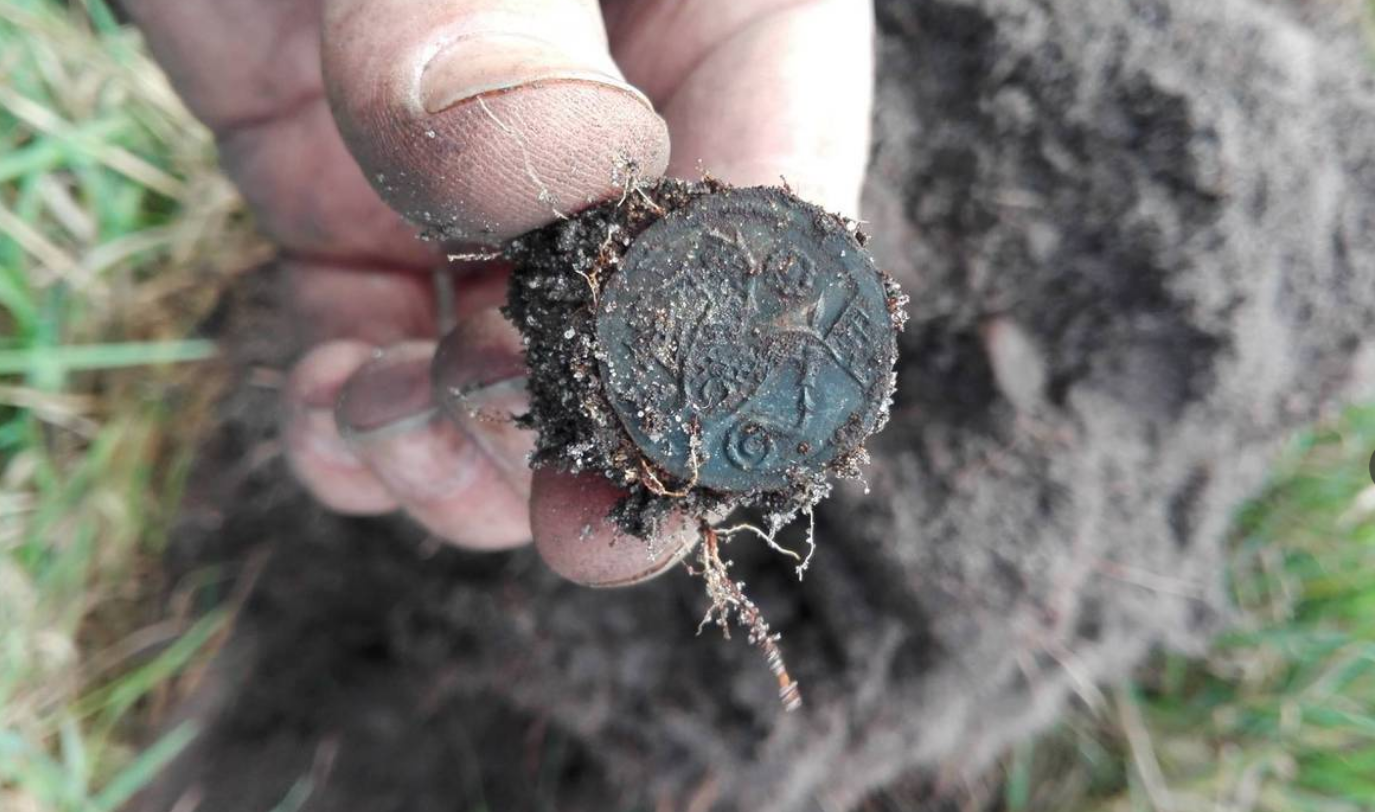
746 339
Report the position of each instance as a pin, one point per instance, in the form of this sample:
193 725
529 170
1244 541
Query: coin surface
746 339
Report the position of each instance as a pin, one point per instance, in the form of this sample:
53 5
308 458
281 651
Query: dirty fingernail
394 386
500 401
324 460
480 367
422 460
388 415
491 61
488 415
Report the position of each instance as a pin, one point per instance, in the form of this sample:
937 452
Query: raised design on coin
745 337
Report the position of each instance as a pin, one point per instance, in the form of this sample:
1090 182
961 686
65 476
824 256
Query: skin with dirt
671 347
1139 240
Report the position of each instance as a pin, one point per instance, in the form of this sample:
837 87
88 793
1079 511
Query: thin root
632 180
475 256
632 184
769 538
649 201
811 542
728 597
591 280
656 486
605 256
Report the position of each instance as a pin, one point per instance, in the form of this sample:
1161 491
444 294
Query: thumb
485 118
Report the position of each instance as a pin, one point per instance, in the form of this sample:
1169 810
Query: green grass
1281 714
115 233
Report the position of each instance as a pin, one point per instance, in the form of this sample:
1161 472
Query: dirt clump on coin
705 348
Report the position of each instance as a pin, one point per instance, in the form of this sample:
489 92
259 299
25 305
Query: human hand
483 119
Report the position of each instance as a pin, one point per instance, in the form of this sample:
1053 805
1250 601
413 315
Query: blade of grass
49 154
101 17
111 702
76 767
104 356
40 247
31 770
116 158
141 772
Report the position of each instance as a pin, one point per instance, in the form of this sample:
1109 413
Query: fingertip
321 459
483 349
437 471
480 383
569 516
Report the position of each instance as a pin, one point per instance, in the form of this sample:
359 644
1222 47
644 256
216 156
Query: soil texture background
1139 240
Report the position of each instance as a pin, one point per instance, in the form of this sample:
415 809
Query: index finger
755 90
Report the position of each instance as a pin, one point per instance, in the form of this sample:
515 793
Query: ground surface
1138 238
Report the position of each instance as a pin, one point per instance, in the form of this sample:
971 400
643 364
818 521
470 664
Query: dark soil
1139 239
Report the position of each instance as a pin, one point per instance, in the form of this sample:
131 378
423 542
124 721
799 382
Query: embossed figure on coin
746 337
